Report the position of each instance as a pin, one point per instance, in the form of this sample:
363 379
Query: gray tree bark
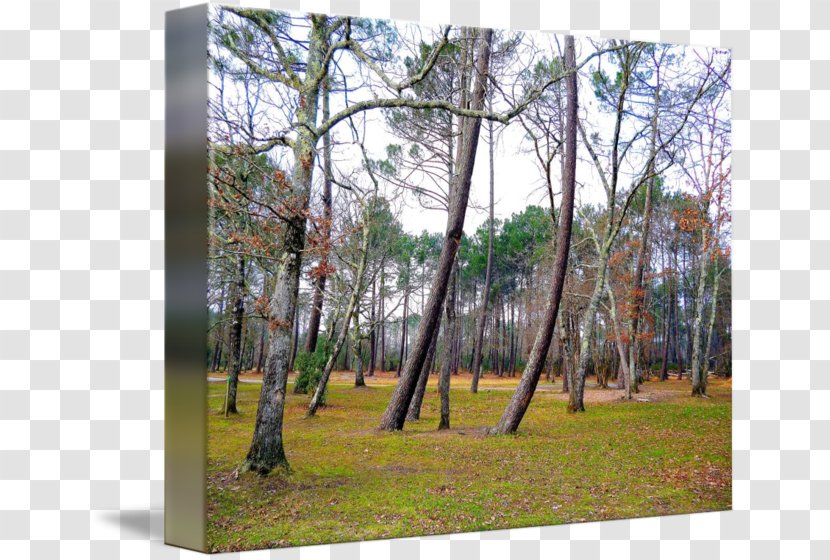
266 451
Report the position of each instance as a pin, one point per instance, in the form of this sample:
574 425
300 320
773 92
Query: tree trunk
218 338
320 281
708 347
676 302
266 451
566 352
414 412
261 353
235 358
382 305
485 298
699 369
519 402
356 349
576 401
295 338
667 318
372 335
395 414
615 325
638 292
446 365
351 314
404 326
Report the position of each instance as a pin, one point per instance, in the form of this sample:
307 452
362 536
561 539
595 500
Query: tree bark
395 414
698 369
485 298
446 365
615 325
667 319
382 306
359 381
295 338
372 335
320 280
404 327
266 451
678 351
707 349
218 338
519 402
235 357
414 412
351 314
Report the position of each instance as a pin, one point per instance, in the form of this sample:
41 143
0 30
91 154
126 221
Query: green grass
353 482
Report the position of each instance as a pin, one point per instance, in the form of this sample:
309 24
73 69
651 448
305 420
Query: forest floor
662 453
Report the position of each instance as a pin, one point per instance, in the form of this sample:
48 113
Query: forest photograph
461 279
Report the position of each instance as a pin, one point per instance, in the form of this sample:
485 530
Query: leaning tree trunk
485 298
235 358
414 412
615 325
395 414
576 401
698 375
351 311
446 360
519 402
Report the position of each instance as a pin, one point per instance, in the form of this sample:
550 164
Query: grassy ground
666 453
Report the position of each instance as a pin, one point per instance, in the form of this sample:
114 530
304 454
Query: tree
709 149
235 360
519 402
263 42
614 93
395 414
321 271
485 294
367 202
446 361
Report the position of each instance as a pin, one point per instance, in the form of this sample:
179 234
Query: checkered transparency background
81 280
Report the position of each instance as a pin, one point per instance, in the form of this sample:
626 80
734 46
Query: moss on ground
351 481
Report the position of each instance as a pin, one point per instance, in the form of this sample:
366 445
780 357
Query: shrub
310 367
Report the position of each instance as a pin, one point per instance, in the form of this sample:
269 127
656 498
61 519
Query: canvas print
460 279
